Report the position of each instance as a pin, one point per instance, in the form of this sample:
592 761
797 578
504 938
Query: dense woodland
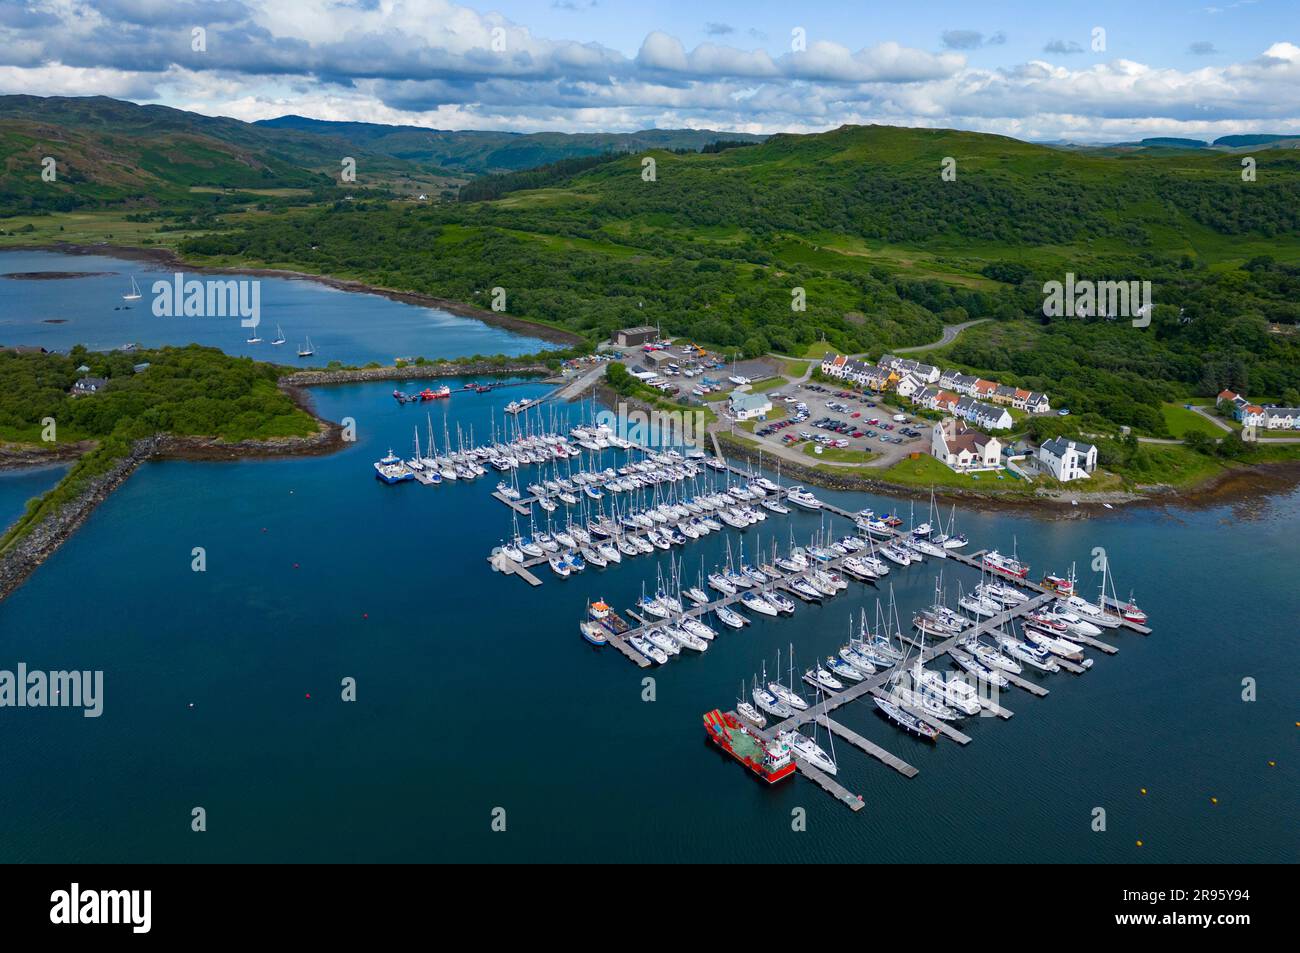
191 391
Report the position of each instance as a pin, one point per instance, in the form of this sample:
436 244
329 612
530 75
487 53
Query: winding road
950 332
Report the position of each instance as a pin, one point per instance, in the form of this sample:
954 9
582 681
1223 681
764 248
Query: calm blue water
343 326
19 486
476 691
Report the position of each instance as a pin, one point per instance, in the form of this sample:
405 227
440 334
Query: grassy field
836 455
1182 421
1177 466
817 350
86 228
927 471
767 384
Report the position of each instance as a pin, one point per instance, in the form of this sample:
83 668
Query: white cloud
431 62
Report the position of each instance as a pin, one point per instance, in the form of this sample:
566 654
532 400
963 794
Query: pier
927 646
819 777
828 784
870 747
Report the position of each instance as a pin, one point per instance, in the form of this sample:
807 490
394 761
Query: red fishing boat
770 760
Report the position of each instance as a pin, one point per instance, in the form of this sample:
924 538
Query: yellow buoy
1139 843
1214 800
1144 790
1272 764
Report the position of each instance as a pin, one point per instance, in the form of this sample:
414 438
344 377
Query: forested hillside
712 246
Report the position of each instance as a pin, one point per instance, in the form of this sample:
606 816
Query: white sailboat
306 350
134 294
279 336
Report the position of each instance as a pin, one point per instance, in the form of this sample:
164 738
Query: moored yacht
804 747
803 499
1010 565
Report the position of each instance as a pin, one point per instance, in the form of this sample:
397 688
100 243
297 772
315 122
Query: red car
856 413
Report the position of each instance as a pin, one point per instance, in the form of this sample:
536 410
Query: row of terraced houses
1253 415
974 399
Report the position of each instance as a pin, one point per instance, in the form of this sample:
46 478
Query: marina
532 647
670 500
874 687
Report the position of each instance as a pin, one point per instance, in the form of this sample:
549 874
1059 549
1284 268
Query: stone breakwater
42 540
409 372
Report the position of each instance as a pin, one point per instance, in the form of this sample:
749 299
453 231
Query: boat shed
634 337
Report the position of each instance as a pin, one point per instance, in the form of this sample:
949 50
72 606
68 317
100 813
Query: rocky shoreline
409 372
24 456
1243 483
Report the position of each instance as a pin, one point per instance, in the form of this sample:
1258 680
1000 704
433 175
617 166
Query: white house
1281 418
88 385
926 373
983 415
926 397
1034 402
746 406
909 385
961 448
833 365
1251 415
1067 459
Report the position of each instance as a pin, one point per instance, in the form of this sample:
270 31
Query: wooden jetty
870 747
819 777
502 563
828 784
1095 643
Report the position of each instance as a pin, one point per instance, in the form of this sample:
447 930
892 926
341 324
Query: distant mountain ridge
481 151
1272 140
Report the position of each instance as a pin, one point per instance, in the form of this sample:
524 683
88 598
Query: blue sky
1026 69
1148 30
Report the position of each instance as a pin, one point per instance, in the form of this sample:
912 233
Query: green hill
884 249
478 152
112 152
